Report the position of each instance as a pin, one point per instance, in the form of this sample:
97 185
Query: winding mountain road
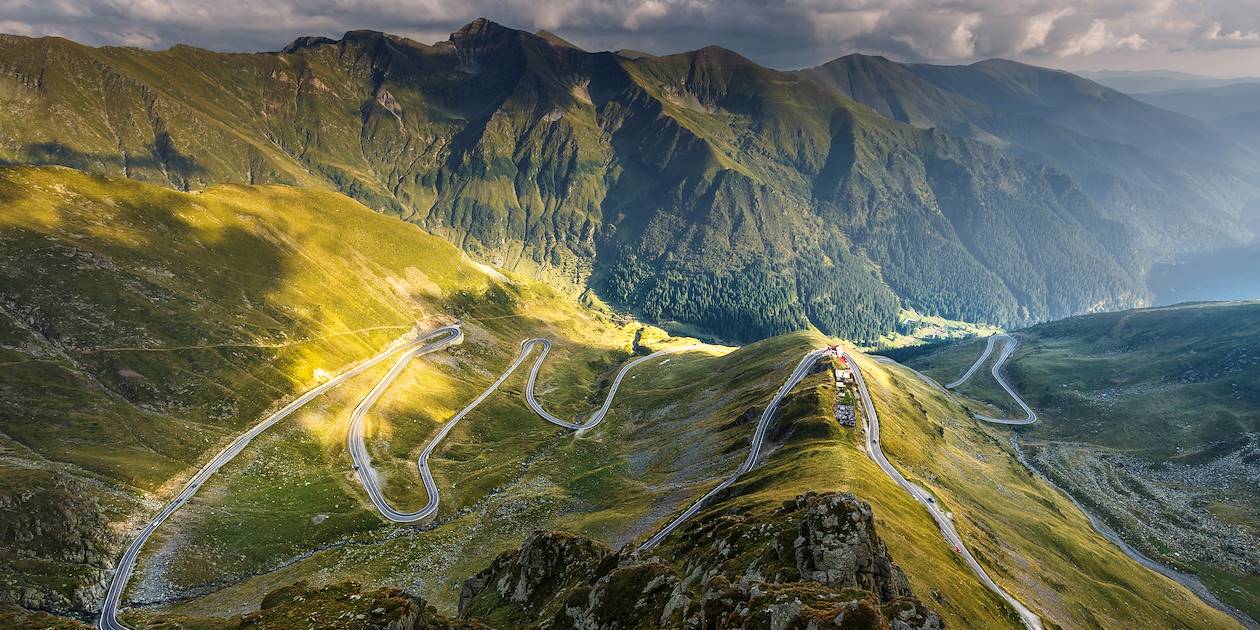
1193 583
943 521
108 620
988 350
363 462
754 451
1010 345
875 452
447 336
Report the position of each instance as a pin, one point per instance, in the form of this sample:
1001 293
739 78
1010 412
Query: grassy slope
1030 538
1093 376
1176 384
675 428
1170 384
562 164
168 322
1203 359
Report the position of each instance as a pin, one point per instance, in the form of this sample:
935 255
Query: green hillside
1152 419
698 189
144 327
170 321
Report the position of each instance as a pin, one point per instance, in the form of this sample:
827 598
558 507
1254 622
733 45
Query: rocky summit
817 562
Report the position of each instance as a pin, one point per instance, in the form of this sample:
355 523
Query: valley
289 507
502 331
1120 430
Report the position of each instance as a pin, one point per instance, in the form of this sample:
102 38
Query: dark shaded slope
1167 182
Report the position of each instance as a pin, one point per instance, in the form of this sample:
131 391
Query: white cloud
1097 39
1216 35
784 33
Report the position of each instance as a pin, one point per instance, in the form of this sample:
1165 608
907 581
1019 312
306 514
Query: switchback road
108 620
1189 581
363 463
988 350
1010 344
754 451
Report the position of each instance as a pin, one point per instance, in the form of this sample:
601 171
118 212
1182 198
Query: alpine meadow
886 317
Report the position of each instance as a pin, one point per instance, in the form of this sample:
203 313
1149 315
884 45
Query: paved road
876 453
801 371
1010 344
355 443
946 525
126 565
988 350
1189 581
363 463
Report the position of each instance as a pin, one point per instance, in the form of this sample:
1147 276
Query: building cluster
845 414
843 372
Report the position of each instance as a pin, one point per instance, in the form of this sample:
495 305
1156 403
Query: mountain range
143 330
1232 110
1152 81
253 356
699 189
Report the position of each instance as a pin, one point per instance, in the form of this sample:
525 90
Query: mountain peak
860 57
719 56
482 28
306 41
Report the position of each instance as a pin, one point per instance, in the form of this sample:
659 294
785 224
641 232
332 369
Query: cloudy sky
1214 37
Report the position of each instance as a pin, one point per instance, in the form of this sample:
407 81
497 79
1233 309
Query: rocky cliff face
53 526
815 563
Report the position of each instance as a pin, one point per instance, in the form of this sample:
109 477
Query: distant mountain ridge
699 188
1151 81
1134 161
1232 110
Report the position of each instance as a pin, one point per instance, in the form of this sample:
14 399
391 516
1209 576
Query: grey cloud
782 33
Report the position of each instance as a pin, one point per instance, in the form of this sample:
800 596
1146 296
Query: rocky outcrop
544 567
346 606
52 526
815 562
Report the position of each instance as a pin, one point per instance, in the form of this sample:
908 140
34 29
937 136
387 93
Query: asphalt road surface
363 462
122 573
876 453
988 350
1189 581
451 335
801 371
1010 344
942 520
